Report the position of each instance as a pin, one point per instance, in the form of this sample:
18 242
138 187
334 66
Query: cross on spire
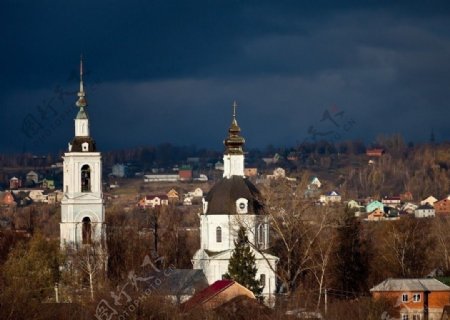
234 141
81 94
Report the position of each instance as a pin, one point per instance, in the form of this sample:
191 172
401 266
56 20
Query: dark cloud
169 70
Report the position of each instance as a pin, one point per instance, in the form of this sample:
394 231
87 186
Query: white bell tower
82 207
233 157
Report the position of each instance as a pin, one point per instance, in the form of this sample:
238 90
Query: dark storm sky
168 71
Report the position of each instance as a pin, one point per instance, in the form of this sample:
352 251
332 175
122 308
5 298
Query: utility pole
56 292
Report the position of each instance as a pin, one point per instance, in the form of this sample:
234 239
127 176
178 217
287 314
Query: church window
260 236
218 234
86 230
241 205
262 280
85 178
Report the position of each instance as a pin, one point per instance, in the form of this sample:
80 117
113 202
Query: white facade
430 200
79 206
82 207
81 127
315 182
219 225
424 212
154 201
197 193
38 196
332 197
216 247
161 177
233 165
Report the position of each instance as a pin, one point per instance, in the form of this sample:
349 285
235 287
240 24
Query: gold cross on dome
234 108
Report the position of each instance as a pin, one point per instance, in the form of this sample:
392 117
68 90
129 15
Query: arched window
260 236
86 230
218 234
85 178
262 280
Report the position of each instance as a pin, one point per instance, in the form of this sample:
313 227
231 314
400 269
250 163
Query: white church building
82 206
234 202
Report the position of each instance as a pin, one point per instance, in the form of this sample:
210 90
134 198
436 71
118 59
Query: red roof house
216 295
442 206
376 152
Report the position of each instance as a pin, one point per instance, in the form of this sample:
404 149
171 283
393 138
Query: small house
408 208
392 202
315 183
375 152
331 197
14 183
7 199
430 200
38 195
414 298
48 184
374 205
173 195
376 215
185 173
32 177
424 211
217 294
152 201
442 206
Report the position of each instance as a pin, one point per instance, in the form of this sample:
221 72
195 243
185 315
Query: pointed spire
234 142
81 103
81 74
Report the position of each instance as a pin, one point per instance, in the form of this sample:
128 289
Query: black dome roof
78 141
223 195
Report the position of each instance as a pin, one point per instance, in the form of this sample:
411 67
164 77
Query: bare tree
298 225
321 262
441 227
90 261
407 247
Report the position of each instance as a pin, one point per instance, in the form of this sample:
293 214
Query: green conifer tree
242 267
351 260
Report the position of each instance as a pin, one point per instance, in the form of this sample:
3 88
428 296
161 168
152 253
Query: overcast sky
168 71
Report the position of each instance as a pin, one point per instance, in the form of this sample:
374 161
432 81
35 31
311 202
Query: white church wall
211 222
73 162
233 165
81 128
265 268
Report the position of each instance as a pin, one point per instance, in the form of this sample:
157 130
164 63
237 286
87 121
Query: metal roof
426 284
223 195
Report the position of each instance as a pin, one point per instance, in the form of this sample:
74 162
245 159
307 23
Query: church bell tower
82 206
233 158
